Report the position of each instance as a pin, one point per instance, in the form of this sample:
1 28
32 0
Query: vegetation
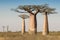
26 36
34 10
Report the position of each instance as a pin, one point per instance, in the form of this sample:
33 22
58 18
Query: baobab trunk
45 26
33 24
23 26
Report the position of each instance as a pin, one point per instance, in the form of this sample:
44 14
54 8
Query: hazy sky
8 17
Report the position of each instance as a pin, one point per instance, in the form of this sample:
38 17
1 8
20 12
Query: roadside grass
26 36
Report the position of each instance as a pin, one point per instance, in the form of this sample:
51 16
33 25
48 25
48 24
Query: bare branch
18 11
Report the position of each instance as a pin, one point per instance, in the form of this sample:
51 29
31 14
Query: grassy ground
26 36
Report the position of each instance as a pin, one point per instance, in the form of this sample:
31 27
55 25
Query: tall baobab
23 16
46 10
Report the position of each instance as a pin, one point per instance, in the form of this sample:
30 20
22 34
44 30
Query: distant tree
7 28
3 28
23 16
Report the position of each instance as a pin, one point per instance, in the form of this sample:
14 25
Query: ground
26 36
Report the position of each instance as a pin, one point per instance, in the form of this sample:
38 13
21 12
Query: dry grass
26 36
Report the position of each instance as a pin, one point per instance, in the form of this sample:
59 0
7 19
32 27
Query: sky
10 18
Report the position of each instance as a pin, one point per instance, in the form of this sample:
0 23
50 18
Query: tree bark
33 24
45 26
23 26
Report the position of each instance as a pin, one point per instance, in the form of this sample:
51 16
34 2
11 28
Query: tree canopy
24 16
34 9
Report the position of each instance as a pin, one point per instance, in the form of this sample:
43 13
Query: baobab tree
23 16
46 10
3 28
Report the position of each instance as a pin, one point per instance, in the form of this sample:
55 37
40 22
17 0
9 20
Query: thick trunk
33 24
23 26
45 26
